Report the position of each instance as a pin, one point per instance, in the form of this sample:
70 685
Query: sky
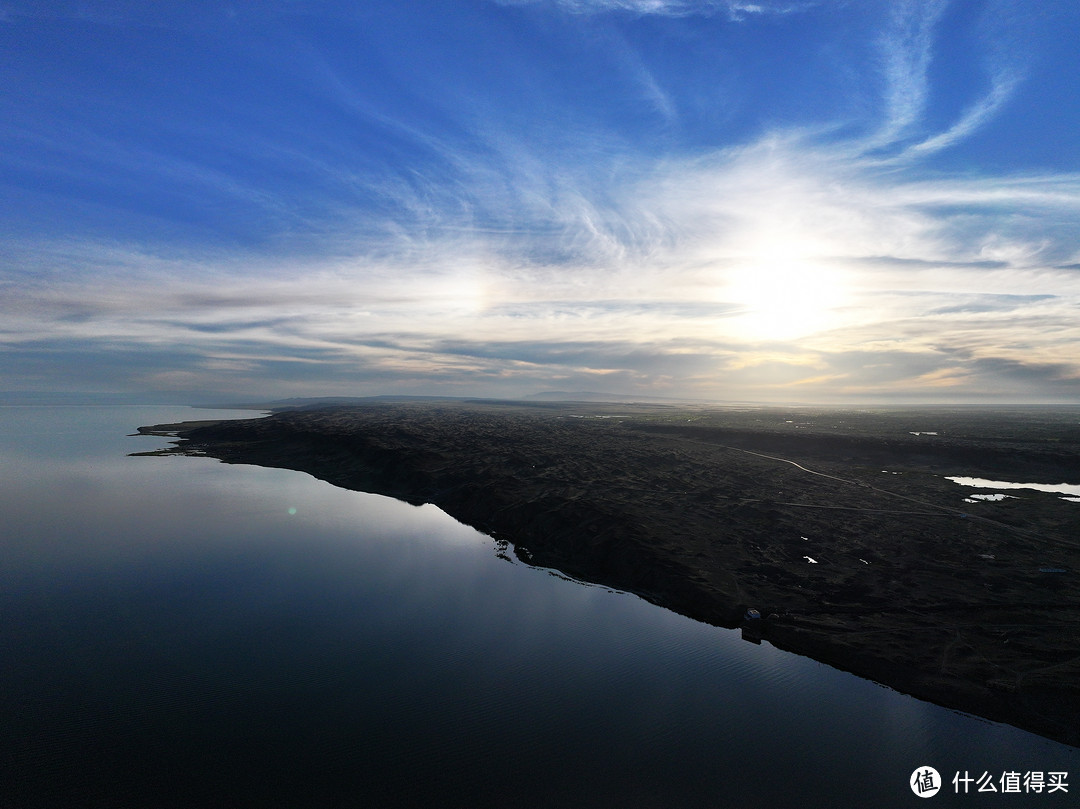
818 201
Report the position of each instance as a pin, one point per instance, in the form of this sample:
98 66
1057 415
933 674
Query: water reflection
182 632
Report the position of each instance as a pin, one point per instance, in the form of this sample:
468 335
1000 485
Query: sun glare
782 292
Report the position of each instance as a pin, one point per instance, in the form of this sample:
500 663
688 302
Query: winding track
937 508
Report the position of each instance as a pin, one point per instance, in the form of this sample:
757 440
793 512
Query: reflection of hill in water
709 512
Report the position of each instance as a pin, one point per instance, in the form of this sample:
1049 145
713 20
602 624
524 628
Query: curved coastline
710 512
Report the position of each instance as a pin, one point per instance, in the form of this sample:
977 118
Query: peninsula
840 528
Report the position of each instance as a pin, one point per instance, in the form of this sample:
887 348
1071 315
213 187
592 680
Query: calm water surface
181 632
983 483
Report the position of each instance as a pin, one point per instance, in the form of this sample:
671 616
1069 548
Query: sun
782 291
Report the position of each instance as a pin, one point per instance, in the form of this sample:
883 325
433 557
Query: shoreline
839 527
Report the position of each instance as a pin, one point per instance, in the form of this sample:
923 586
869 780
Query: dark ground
704 511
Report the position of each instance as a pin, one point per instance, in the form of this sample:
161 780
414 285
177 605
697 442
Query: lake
179 632
1055 488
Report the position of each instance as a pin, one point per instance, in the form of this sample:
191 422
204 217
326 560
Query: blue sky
782 200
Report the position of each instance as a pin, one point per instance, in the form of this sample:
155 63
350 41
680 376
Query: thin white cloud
972 119
733 9
651 90
907 62
907 51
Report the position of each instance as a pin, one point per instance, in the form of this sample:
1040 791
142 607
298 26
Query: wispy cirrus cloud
906 54
733 9
433 236
971 120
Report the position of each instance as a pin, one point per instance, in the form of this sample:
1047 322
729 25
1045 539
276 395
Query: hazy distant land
839 526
